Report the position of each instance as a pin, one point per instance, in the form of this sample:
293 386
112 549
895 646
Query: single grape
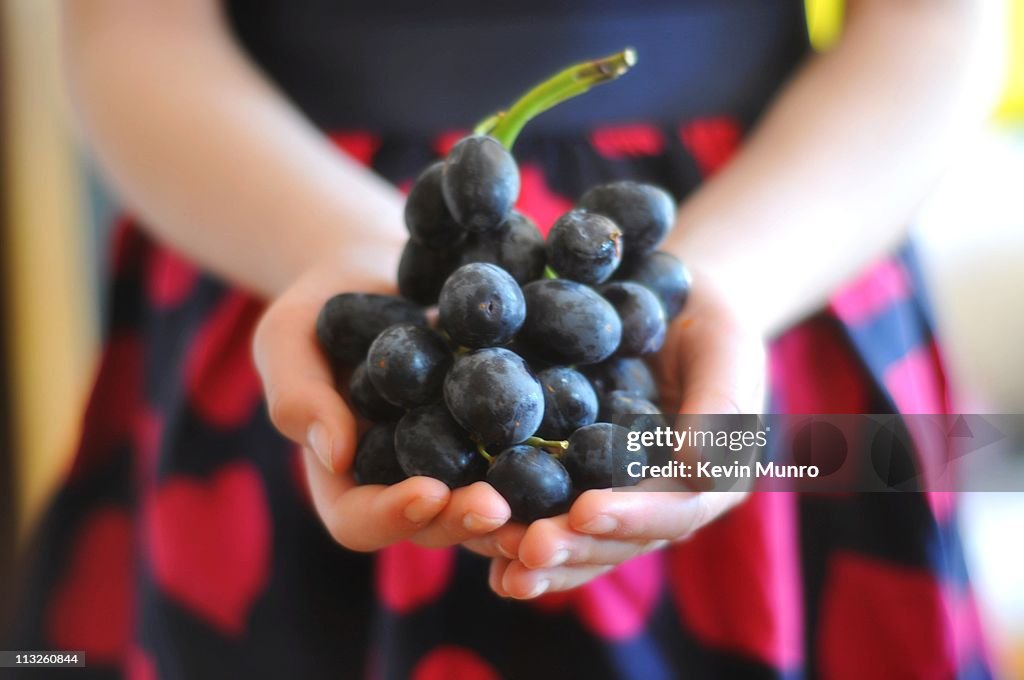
493 394
480 182
642 316
621 373
569 402
349 322
644 213
367 401
637 415
568 323
429 442
533 482
598 457
407 365
621 403
481 306
376 462
426 214
664 274
584 246
422 271
516 246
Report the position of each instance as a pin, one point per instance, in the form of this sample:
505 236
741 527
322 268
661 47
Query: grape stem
483 452
487 124
539 443
549 273
571 82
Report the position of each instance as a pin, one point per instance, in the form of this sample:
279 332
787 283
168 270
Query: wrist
721 274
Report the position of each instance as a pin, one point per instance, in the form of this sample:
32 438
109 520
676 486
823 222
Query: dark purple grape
376 462
407 365
533 482
481 306
644 213
642 316
367 400
637 415
620 373
598 457
584 246
568 323
422 271
664 274
426 214
569 402
480 183
493 394
349 322
516 246
621 403
429 442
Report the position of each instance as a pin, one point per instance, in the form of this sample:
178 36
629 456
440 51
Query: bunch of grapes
538 345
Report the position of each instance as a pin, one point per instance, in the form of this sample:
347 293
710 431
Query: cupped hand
306 407
712 362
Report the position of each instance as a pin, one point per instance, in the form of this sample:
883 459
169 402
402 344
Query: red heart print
209 544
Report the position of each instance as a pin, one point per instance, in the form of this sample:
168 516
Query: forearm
831 176
212 159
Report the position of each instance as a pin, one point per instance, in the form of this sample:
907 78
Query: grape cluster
538 344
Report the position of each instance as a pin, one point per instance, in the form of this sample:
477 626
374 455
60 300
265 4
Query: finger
525 584
473 510
496 574
371 517
503 542
647 516
550 543
299 388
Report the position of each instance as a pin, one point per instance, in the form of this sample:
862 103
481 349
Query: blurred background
55 217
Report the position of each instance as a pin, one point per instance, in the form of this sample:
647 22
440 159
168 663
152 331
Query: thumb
299 387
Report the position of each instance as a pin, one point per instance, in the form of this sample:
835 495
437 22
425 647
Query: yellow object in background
1012 105
824 21
52 333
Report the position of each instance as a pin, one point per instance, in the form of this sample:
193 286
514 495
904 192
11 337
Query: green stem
483 452
549 273
559 444
564 85
487 124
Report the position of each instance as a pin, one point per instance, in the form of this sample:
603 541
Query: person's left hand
712 362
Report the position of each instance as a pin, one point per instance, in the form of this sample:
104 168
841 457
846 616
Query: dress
183 543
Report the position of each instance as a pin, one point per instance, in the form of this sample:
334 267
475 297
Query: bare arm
830 178
217 163
213 159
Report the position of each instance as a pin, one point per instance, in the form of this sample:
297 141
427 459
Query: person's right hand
306 407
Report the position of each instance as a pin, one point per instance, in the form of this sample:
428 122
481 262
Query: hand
712 362
306 407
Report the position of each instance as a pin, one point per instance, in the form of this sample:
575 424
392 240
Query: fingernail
422 509
479 523
316 439
602 524
505 553
560 557
540 588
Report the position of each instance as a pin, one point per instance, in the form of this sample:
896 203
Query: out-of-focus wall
52 326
